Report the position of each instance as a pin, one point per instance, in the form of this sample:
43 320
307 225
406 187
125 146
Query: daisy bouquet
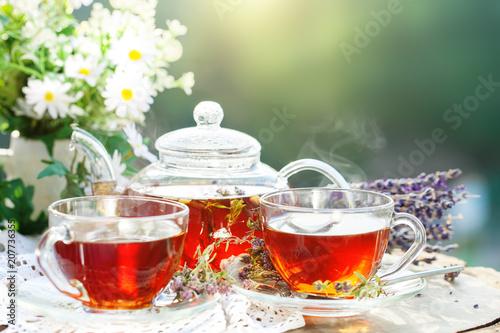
101 73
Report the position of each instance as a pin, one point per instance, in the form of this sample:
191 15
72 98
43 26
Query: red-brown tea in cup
120 273
334 255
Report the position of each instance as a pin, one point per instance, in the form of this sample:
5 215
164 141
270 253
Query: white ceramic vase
24 160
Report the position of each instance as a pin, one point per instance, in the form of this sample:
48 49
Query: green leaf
56 168
361 277
20 207
68 30
8 9
24 69
72 188
49 143
49 140
18 192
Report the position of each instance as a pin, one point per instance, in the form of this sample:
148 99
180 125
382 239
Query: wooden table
359 324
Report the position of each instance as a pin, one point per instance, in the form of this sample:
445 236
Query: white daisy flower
98 24
37 34
58 49
124 20
119 168
75 110
21 108
24 6
86 46
143 8
86 69
103 22
77 4
51 95
162 80
128 95
172 50
135 140
186 82
133 52
176 28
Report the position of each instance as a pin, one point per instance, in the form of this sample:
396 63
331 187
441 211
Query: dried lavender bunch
427 197
189 283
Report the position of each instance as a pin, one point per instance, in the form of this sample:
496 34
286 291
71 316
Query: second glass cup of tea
113 253
327 234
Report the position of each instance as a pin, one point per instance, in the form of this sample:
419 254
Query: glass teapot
216 171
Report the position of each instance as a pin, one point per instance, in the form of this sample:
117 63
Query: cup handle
45 258
415 249
313 165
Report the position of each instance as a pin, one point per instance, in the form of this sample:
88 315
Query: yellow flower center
127 94
49 96
134 55
84 71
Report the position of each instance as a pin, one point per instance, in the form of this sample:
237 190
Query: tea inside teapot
221 217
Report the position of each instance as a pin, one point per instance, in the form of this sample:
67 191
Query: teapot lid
208 145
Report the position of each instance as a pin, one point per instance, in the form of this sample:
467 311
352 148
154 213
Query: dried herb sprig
427 197
259 267
365 289
189 283
450 277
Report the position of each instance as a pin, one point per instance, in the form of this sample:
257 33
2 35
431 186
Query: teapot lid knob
208 145
208 114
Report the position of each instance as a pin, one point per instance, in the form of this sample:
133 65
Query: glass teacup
113 253
327 234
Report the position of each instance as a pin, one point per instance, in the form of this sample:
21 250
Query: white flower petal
129 94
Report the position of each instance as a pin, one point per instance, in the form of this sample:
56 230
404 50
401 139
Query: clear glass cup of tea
113 253
328 234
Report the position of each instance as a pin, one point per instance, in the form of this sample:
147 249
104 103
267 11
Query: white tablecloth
442 307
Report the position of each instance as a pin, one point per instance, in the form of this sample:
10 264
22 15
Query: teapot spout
101 166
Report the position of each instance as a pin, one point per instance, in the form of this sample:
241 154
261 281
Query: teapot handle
313 165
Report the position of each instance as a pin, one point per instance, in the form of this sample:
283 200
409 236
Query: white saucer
41 297
323 307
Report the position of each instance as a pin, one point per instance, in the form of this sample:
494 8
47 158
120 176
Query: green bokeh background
363 114
257 56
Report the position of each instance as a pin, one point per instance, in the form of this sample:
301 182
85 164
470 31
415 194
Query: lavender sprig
427 197
450 277
189 283
365 289
258 266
